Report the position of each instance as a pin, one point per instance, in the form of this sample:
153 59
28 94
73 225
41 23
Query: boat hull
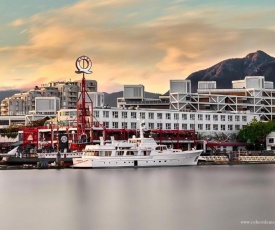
190 158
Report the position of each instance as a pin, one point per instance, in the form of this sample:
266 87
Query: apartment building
67 91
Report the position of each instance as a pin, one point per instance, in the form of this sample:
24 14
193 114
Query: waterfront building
251 95
134 97
67 91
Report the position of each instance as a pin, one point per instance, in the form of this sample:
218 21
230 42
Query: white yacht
136 152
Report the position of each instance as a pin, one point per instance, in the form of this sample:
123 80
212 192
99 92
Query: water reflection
203 197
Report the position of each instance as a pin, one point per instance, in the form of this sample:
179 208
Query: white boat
136 152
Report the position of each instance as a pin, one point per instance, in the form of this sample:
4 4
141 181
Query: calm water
203 197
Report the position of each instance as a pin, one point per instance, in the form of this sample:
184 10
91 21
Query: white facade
133 92
47 105
204 123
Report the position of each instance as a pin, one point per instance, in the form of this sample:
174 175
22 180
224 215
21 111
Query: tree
256 131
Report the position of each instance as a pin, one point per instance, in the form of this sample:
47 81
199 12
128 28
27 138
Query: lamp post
261 149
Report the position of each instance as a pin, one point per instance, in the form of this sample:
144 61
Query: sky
146 42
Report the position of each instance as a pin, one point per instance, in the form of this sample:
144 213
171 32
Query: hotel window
271 140
124 114
230 118
176 116
115 125
207 117
222 117
133 125
151 125
192 117
176 126
184 116
200 126
124 125
133 115
215 127
168 116
106 124
168 126
184 126
115 114
200 117
142 115
96 113
215 117
159 125
222 127
244 118
192 126
237 118
151 115
207 126
237 127
105 113
230 127
159 115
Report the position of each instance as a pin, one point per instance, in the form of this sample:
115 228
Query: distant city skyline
129 41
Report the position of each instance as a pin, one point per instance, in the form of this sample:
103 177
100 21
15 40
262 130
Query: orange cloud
125 47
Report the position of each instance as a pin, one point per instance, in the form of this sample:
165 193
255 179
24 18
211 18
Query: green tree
256 131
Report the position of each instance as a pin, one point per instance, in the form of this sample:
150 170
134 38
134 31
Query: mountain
254 64
111 98
7 93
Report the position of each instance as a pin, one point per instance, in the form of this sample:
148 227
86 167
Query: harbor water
172 198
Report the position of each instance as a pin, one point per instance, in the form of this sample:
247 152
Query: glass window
124 125
244 118
230 118
230 127
124 114
159 115
192 116
176 116
184 126
168 116
133 125
200 126
115 114
222 127
237 118
215 127
184 116
200 117
142 115
222 117
215 117
105 113
176 126
168 125
96 113
133 115
207 117
115 125
151 125
208 127
159 125
151 115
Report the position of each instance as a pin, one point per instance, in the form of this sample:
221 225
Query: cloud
127 42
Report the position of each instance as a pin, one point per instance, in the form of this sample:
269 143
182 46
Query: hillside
253 64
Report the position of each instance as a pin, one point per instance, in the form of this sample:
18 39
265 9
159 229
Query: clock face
64 139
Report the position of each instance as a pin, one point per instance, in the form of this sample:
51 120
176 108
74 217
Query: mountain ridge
224 72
